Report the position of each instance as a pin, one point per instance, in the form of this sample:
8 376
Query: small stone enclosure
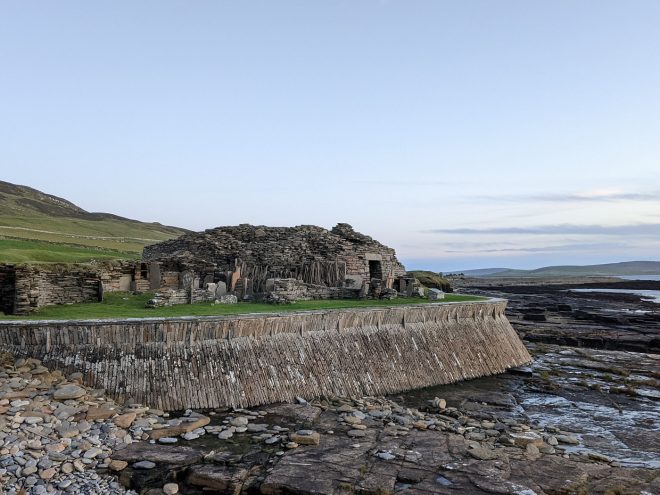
27 287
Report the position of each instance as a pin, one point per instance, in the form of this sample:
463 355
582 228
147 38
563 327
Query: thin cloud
590 197
546 249
644 229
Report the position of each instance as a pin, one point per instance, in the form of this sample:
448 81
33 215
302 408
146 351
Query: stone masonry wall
308 253
290 289
26 288
38 286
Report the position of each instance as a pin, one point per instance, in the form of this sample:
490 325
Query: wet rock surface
556 314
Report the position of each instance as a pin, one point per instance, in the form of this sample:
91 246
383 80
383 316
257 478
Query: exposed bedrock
249 360
556 314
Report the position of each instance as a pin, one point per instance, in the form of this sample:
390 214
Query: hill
607 269
34 225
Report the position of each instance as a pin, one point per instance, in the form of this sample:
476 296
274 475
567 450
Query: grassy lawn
26 251
123 305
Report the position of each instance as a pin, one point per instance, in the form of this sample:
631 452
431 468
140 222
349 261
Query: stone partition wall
290 290
26 287
37 286
248 360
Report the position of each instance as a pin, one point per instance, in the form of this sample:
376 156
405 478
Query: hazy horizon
464 135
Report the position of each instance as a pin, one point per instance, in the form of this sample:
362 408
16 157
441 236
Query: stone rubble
55 433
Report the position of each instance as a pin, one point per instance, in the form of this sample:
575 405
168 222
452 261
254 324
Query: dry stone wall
25 288
249 360
309 253
281 290
36 286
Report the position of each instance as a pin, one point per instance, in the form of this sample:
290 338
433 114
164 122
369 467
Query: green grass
123 305
26 251
431 280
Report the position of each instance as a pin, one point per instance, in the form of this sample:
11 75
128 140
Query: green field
104 233
24 251
123 305
31 215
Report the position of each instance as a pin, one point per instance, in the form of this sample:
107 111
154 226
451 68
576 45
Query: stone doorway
375 269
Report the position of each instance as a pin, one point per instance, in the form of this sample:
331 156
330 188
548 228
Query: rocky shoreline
58 436
554 313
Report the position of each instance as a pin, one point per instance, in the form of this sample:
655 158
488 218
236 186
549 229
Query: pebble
144 465
225 435
171 489
117 465
29 470
239 421
92 453
47 474
79 465
568 439
69 391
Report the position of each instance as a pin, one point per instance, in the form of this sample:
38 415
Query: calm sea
651 295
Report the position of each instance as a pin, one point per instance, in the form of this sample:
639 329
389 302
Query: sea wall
248 360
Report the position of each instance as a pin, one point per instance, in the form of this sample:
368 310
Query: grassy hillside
607 269
24 251
28 214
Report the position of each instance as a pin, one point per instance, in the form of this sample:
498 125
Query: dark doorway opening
7 290
375 270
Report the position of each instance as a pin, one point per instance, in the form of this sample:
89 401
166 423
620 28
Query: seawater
640 277
651 295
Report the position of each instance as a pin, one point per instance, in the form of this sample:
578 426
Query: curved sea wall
248 360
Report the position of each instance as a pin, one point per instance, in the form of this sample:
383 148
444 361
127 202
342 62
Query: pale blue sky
464 134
